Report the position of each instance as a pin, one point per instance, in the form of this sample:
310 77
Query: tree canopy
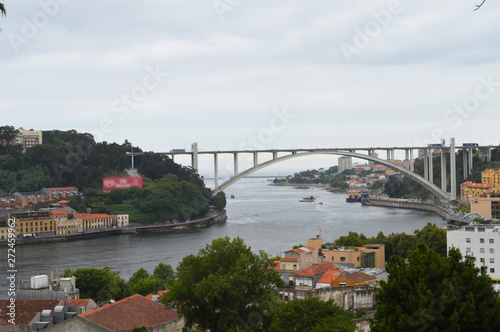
434 293
225 286
313 315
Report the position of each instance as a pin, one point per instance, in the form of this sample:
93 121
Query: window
481 250
342 259
481 240
469 229
358 258
492 241
481 260
492 251
333 258
480 229
492 270
467 240
492 260
467 249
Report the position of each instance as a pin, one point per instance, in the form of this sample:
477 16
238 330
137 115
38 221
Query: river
268 218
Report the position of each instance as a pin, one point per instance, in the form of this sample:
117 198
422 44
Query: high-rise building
345 162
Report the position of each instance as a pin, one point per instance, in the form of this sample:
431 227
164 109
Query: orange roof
316 269
360 277
62 188
302 250
81 302
59 212
86 216
129 313
63 202
289 259
476 185
329 276
491 171
26 310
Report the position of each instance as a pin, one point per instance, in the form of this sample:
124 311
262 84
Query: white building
482 242
345 162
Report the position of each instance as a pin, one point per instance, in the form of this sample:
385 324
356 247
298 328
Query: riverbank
300 185
211 219
405 204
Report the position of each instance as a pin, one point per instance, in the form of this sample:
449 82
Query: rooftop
129 313
316 269
26 310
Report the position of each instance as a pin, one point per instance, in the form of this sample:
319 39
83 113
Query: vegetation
313 315
400 243
462 208
376 185
434 293
224 287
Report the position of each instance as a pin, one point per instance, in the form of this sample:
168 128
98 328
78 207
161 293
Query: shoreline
212 219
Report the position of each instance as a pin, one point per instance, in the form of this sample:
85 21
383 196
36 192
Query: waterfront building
120 220
37 224
482 242
4 231
94 221
490 176
66 223
470 190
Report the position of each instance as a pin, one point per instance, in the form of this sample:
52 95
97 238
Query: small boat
308 199
232 196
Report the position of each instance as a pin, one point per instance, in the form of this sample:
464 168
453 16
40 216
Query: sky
260 74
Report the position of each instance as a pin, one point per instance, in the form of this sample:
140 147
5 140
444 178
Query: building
369 255
125 315
94 221
37 224
4 231
488 207
66 223
345 162
470 190
306 279
120 220
59 193
28 138
482 242
490 176
28 314
7 202
29 198
299 258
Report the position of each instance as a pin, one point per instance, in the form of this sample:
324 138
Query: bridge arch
414 176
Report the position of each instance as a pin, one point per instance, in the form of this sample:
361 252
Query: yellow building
4 231
470 190
66 223
36 224
94 222
490 176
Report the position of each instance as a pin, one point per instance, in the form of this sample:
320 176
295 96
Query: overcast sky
247 74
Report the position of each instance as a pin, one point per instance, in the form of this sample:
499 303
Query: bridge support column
392 155
412 162
453 171
431 170
464 161
255 159
216 170
444 184
235 164
407 159
488 155
426 165
275 155
470 161
194 156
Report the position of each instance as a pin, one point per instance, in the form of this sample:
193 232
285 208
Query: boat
308 199
232 196
353 196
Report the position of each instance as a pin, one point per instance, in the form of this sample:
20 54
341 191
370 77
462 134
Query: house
157 296
299 258
305 279
125 315
120 220
29 198
326 279
66 223
59 192
81 306
94 221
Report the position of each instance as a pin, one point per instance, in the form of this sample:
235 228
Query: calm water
267 217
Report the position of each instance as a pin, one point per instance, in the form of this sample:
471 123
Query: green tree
225 286
7 133
163 271
462 208
2 9
140 329
146 286
311 314
101 285
219 201
376 185
434 293
139 275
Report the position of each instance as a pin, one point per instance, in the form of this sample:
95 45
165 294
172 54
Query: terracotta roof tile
85 216
360 277
316 269
26 310
130 312
289 259
329 276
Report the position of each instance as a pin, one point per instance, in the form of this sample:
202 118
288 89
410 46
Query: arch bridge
445 192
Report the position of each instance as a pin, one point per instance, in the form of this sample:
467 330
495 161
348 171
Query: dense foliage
434 293
225 286
399 243
312 315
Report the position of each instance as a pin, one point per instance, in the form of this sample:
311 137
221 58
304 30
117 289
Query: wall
409 205
349 297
